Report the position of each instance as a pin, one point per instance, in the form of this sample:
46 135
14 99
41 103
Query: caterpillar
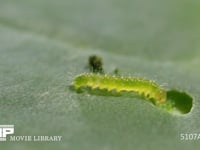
142 87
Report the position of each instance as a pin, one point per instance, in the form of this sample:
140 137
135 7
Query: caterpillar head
162 96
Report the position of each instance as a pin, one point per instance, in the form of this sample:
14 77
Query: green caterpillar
142 87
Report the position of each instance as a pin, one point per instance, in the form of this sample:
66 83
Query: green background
44 44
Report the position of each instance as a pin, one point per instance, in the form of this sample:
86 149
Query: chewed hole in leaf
181 102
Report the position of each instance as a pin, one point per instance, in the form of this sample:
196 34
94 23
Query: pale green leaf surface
44 44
